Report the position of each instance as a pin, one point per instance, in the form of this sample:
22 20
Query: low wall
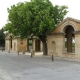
69 55
54 54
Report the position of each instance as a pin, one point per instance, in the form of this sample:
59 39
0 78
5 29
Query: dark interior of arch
69 38
10 41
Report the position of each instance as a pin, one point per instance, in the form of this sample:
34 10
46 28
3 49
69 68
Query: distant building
15 44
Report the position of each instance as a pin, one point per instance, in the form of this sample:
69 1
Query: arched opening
29 44
69 39
37 45
10 41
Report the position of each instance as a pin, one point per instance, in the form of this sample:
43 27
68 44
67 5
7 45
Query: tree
2 38
37 17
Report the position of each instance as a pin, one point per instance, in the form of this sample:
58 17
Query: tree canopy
37 17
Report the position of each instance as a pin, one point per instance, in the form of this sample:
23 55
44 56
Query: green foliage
38 17
30 43
73 44
8 27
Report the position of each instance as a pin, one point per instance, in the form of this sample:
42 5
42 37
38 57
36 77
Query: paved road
23 67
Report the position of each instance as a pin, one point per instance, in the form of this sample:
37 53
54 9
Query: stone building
15 44
64 41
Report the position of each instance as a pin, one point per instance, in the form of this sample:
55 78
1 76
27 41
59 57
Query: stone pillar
16 44
77 45
9 48
33 44
69 42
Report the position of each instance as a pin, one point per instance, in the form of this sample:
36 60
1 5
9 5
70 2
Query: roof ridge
69 18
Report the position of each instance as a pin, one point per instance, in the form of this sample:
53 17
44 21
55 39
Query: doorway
69 39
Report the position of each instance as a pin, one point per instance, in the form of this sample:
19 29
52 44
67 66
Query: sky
73 8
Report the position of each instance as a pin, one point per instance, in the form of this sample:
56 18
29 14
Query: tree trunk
43 39
44 47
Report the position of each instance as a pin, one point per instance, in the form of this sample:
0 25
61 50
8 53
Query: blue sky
73 8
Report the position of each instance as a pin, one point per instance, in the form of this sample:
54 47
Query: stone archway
62 30
69 36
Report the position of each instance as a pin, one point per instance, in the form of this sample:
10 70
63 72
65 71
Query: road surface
23 67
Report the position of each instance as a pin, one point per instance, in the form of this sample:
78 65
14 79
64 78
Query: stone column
9 47
33 44
77 44
69 42
16 45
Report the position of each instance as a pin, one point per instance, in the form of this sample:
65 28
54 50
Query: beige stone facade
15 44
60 41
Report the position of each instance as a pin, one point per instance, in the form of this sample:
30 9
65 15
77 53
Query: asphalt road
23 67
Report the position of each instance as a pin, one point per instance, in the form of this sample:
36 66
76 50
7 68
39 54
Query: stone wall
14 45
56 41
7 45
56 44
22 44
